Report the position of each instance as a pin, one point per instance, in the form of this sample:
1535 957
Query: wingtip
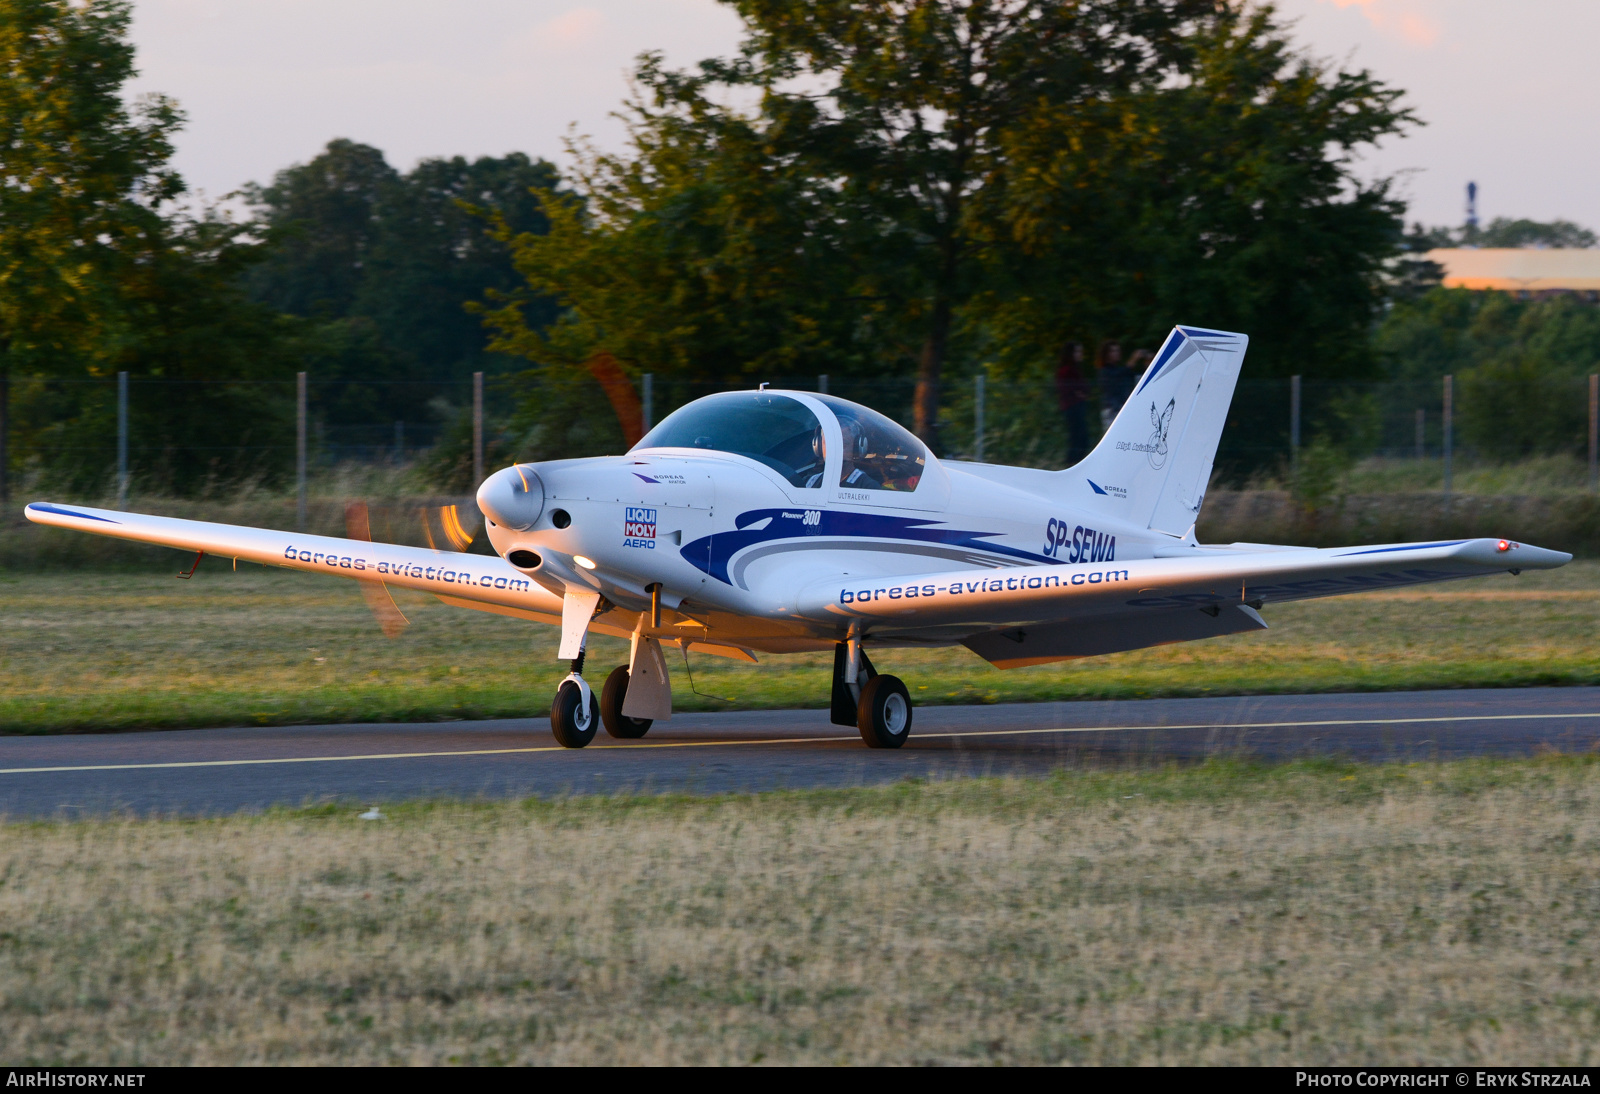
41 512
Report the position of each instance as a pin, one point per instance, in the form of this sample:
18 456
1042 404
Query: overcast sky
1507 87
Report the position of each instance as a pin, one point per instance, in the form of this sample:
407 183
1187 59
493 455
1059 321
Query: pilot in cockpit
878 454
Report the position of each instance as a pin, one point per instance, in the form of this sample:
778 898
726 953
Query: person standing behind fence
1072 393
1137 363
1115 379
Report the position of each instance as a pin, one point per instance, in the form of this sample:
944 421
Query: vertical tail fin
1151 467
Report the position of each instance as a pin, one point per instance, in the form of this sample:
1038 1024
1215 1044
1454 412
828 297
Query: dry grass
99 650
1309 914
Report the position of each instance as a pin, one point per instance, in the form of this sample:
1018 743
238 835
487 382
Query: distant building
1525 272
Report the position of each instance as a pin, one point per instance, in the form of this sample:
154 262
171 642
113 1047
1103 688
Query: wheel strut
575 714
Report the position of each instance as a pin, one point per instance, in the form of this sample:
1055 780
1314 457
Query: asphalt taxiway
225 770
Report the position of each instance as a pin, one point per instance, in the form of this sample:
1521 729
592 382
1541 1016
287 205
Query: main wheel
884 713
572 725
612 695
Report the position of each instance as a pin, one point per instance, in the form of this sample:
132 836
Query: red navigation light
1503 545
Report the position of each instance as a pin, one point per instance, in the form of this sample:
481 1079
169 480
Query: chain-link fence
91 434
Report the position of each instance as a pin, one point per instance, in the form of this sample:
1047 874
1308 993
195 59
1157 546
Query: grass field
86 651
1309 914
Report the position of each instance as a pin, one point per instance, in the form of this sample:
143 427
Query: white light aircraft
788 521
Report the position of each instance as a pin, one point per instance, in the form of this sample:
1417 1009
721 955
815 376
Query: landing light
586 563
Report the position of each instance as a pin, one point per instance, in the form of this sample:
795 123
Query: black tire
619 725
571 729
884 713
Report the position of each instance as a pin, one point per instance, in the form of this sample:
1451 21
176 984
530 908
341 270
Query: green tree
81 174
707 254
324 220
210 394
906 107
1510 232
1506 232
434 252
1224 197
1520 365
920 186
381 264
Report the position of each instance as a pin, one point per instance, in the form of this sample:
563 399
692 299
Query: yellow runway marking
805 741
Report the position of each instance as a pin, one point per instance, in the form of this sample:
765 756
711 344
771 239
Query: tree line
902 193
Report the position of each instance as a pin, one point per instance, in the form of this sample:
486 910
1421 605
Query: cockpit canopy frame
814 442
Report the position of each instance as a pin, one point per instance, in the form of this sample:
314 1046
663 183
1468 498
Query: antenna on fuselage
763 385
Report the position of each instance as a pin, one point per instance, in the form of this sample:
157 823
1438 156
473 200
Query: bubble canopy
879 454
769 428
786 435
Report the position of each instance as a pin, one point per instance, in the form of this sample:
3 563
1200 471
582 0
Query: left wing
1032 614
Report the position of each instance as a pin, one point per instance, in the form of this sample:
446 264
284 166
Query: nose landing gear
574 715
635 695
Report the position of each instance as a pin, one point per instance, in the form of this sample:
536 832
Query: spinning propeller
442 527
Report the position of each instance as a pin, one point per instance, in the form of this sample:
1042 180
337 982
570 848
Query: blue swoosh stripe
1174 340
46 507
1405 547
713 553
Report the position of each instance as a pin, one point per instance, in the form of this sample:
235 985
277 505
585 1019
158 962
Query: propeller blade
451 529
358 525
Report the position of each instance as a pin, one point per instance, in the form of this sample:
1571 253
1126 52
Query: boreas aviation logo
639 528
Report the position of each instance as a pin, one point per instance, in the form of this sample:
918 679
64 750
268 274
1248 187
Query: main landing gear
577 712
612 696
877 705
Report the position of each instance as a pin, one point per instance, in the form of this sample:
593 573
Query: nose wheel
575 714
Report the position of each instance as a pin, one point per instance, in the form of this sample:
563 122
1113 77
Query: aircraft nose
513 498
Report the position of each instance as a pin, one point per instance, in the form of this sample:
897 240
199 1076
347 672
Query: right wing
480 581
1033 614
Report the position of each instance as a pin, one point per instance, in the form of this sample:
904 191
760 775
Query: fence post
1294 425
1594 432
1449 422
300 451
477 429
122 439
1422 433
977 415
5 429
822 384
649 409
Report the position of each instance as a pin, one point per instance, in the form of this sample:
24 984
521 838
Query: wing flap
1016 647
